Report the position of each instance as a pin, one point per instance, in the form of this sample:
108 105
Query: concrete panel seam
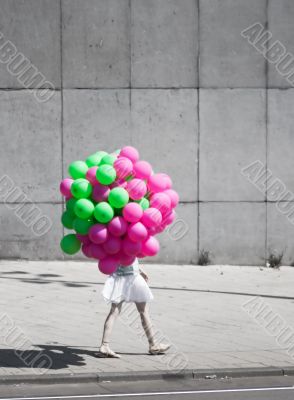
61 101
198 126
266 136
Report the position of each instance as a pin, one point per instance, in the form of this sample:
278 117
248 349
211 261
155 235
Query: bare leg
154 348
146 322
108 326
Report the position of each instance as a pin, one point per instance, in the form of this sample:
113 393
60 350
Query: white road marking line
91 396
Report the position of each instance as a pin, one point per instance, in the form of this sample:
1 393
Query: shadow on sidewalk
42 279
45 357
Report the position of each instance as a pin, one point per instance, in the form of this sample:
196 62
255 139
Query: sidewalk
57 314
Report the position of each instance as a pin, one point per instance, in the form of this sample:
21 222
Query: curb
146 375
239 373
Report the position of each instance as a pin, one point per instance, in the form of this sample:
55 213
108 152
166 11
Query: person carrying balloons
128 284
116 205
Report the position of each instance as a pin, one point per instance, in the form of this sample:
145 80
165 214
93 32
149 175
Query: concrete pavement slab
57 307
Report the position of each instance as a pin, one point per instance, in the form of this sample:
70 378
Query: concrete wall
174 78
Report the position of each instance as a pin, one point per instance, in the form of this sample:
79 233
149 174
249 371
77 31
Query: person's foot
160 348
106 352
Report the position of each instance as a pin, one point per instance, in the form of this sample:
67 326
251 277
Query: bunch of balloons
116 205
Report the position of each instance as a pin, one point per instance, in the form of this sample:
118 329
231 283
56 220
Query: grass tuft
204 257
275 260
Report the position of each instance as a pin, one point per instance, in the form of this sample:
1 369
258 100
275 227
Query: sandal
106 352
160 348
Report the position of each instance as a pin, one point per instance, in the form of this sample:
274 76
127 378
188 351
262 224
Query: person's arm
143 273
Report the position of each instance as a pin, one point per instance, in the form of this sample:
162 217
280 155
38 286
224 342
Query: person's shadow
45 357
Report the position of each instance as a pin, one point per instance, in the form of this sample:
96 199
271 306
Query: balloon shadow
45 357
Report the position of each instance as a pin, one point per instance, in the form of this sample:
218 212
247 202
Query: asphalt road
269 388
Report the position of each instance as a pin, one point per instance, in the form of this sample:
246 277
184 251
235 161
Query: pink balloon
161 201
169 218
126 260
117 226
132 212
156 183
137 232
136 188
83 238
129 152
151 217
140 255
142 169
86 250
167 179
119 183
98 233
112 245
123 167
108 265
174 197
91 175
156 229
123 185
97 251
131 248
65 186
100 192
150 247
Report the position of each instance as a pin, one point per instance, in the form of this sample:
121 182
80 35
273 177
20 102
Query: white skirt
128 288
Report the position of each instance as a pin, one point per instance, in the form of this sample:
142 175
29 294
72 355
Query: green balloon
70 244
144 203
94 159
81 188
108 159
102 153
67 219
78 169
84 208
70 204
118 197
105 174
82 226
103 212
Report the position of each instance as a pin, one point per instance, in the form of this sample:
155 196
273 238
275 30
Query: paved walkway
53 313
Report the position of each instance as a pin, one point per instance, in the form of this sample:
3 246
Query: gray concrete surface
96 43
174 78
280 137
280 17
243 223
164 39
209 389
226 59
18 240
33 26
279 232
230 122
31 145
177 243
94 119
59 310
165 127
